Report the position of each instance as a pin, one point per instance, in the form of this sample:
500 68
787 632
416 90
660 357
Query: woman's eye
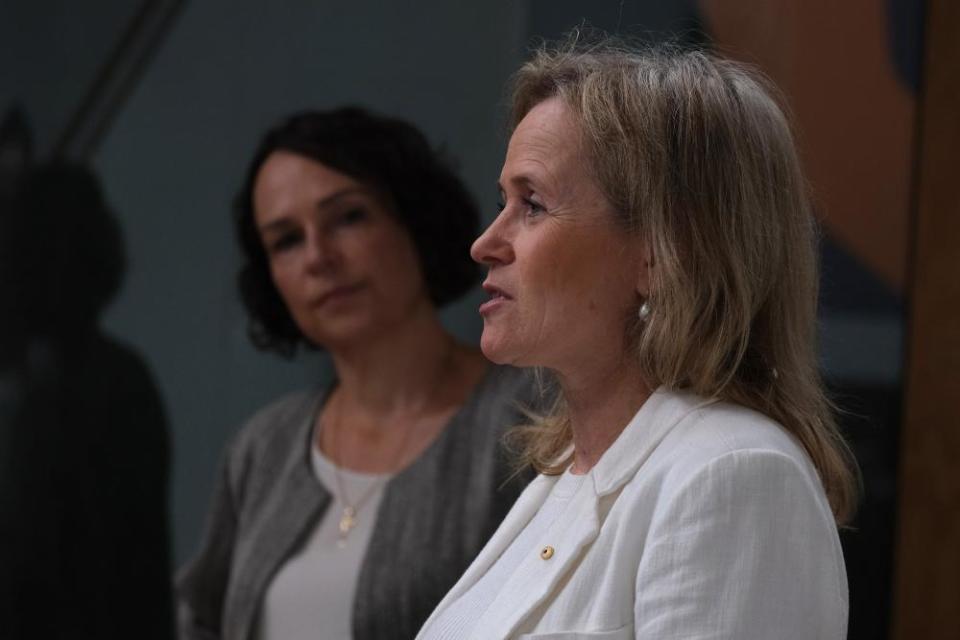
352 216
531 206
284 242
534 208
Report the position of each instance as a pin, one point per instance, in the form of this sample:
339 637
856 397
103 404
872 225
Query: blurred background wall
176 151
165 100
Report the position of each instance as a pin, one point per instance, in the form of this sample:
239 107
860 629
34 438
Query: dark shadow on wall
84 446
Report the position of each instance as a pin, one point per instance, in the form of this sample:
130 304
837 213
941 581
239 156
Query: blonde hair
696 157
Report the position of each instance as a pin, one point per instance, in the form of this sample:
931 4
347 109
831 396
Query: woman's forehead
544 145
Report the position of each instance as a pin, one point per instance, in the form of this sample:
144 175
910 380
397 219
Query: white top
703 520
460 619
311 596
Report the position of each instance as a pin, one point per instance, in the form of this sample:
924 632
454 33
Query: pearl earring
644 312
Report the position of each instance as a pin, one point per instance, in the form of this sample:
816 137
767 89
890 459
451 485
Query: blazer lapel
540 573
536 579
520 514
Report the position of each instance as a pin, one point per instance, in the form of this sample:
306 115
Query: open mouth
498 297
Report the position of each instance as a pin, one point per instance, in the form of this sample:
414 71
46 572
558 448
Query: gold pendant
347 521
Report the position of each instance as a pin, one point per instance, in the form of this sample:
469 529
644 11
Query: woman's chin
493 356
501 351
494 350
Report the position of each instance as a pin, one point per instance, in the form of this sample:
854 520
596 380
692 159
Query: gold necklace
348 517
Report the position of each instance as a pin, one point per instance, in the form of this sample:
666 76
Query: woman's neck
601 402
400 371
395 396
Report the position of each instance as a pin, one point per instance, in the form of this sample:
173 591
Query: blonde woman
655 252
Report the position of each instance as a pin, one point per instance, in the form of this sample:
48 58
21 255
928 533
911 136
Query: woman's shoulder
277 425
718 452
716 437
503 398
731 427
711 428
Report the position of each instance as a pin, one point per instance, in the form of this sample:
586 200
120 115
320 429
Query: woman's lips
336 294
498 298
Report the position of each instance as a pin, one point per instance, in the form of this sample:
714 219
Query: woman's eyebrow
284 220
275 225
519 180
339 195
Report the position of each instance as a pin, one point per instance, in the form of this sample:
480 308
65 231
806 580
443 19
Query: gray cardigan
434 518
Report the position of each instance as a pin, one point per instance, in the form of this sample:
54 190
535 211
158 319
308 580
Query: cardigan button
547 552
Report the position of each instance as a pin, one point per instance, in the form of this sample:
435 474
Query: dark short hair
395 159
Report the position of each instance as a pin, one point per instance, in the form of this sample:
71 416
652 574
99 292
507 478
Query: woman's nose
493 246
321 255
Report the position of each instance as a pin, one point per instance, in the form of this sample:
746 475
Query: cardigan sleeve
746 549
201 585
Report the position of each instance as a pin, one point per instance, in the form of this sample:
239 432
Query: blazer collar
648 427
536 578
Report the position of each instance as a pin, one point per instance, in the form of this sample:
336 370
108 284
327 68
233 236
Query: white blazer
703 520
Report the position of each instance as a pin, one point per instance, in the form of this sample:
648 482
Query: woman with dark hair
350 511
